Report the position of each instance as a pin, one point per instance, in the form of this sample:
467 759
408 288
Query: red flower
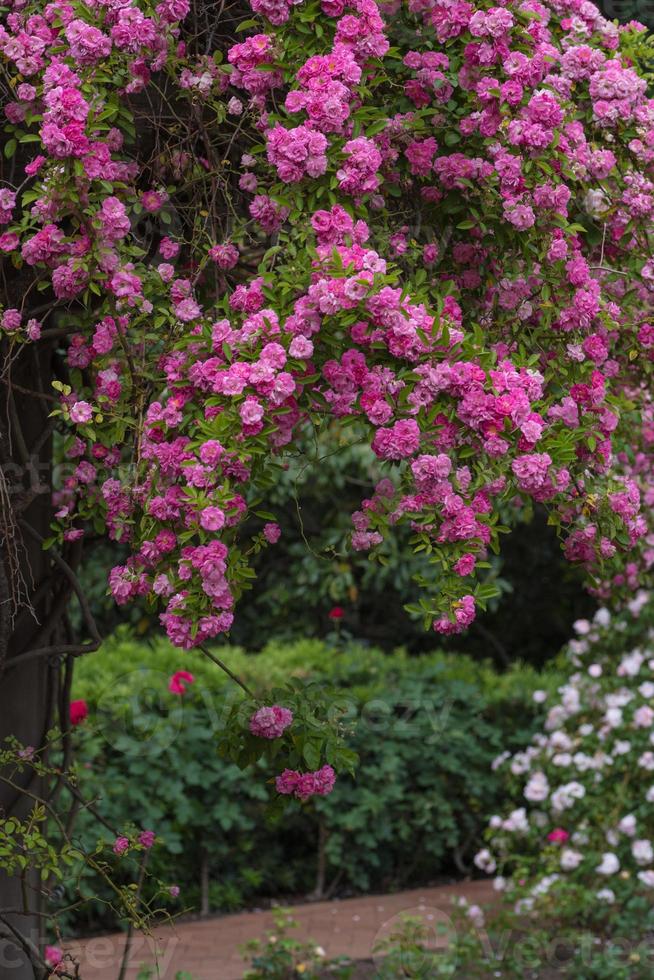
336 613
79 711
558 835
179 680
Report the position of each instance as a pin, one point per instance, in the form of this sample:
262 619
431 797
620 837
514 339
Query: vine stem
130 929
218 662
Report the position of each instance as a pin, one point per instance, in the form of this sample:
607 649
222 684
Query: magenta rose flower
270 722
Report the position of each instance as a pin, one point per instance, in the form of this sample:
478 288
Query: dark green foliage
426 741
426 730
626 10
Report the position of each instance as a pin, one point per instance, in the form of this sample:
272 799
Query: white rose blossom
609 864
628 825
485 861
570 859
642 851
537 789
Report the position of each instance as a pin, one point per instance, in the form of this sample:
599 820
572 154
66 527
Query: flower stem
229 673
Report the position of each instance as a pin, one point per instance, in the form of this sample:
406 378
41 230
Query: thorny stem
130 929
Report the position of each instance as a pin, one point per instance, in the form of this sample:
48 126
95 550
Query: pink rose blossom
54 956
305 785
271 722
272 533
147 838
81 412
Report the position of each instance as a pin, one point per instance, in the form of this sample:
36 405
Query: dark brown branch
5 615
39 965
72 578
56 650
28 391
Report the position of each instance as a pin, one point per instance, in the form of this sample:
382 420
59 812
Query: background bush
426 730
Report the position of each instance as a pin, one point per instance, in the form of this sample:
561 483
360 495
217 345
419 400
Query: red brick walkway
208 949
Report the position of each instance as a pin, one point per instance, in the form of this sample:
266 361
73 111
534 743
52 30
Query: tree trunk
321 863
205 904
28 689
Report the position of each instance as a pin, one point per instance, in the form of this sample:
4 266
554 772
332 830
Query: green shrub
406 952
426 730
283 957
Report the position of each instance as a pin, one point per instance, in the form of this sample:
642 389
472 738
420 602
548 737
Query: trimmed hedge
426 730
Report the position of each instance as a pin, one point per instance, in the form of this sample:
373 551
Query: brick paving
208 948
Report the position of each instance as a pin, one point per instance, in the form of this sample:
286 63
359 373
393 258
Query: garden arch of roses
427 222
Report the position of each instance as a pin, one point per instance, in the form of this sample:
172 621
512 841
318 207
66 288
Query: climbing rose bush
426 223
579 849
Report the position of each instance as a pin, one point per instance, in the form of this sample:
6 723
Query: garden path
208 948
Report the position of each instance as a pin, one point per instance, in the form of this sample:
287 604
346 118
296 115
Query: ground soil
209 948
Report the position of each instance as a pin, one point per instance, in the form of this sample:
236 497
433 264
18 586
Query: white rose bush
573 856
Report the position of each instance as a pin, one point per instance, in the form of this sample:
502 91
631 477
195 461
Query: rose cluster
597 743
451 204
